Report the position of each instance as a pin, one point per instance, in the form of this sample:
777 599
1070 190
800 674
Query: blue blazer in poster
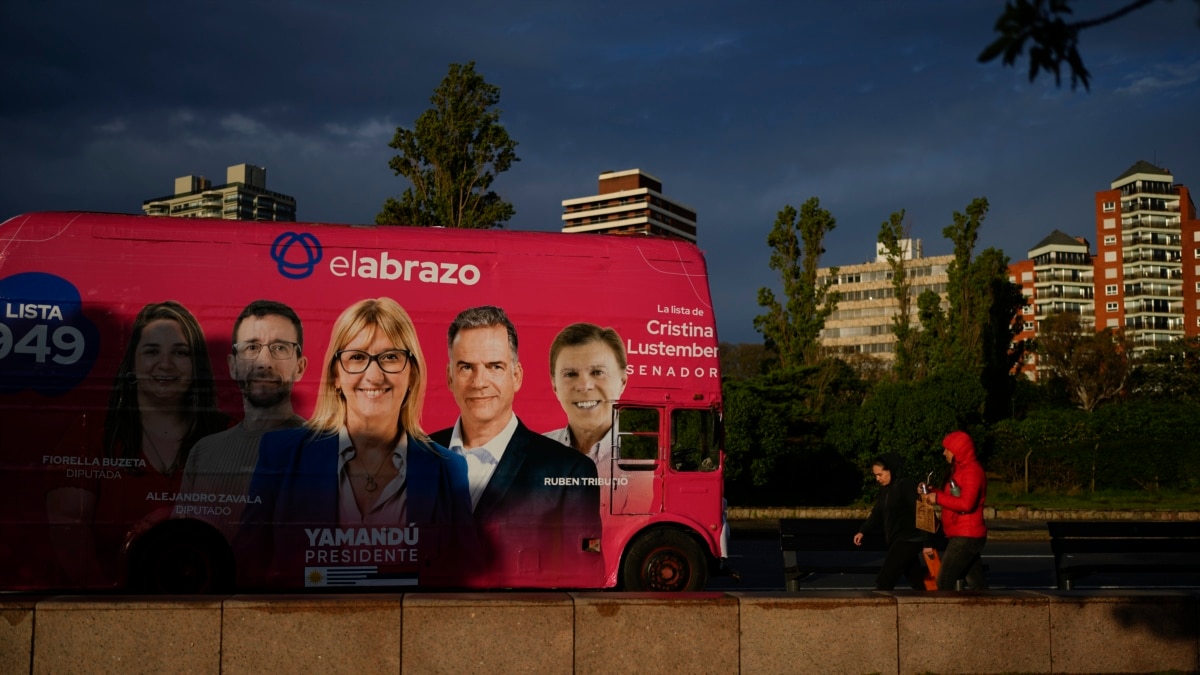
542 500
293 511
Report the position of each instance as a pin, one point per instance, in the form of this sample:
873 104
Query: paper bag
926 520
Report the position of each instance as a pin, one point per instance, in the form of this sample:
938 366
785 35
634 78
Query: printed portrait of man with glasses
266 361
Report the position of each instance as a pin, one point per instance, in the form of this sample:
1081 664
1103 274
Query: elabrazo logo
296 254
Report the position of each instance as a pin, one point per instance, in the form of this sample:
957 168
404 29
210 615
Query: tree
963 289
1001 355
1054 40
791 328
892 234
1170 372
1093 366
452 156
741 361
974 333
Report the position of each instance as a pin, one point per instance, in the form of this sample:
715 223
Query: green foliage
975 335
1054 40
966 291
1135 445
1000 352
742 361
892 233
451 158
910 419
1170 372
791 327
775 430
1093 367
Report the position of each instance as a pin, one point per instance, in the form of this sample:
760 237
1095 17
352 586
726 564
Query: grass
1002 496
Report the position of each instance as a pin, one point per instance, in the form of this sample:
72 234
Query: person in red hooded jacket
962 499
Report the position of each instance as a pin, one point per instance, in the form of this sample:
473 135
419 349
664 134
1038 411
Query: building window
1110 223
1196 253
1110 239
1110 256
1028 326
1112 323
1110 273
1110 289
1110 307
1109 207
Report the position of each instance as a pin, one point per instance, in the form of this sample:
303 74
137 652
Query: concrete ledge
827 632
1123 632
656 633
598 632
311 633
973 632
127 635
488 632
16 634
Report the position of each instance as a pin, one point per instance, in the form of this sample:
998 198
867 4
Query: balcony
1147 291
1176 274
1077 276
1068 293
1152 255
1147 221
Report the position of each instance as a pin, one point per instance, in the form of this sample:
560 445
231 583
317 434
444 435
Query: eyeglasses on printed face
248 351
355 361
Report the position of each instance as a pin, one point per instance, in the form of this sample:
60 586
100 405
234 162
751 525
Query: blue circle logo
47 344
296 254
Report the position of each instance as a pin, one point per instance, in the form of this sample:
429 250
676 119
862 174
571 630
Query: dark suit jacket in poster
295 486
539 506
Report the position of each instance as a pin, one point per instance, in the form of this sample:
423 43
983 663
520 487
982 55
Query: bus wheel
664 560
181 560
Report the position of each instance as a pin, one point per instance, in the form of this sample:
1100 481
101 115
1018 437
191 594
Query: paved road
1013 560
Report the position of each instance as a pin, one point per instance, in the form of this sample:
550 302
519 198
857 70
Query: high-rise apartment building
1144 277
243 196
629 202
862 322
1056 278
1145 225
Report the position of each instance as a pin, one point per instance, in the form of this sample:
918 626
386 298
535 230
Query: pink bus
134 453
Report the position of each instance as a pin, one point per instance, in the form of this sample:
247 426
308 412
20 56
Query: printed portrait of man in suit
536 501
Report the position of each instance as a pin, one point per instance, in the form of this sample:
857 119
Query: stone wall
608 632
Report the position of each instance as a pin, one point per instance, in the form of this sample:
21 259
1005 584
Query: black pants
903 558
962 559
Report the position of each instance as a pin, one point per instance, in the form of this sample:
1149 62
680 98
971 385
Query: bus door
694 483
637 471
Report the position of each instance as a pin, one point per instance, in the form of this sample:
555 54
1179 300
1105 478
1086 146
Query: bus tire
183 557
665 559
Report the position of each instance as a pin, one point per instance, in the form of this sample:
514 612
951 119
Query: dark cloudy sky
740 108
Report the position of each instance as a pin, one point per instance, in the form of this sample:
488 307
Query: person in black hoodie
895 513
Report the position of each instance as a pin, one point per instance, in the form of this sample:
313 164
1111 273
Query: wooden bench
1083 548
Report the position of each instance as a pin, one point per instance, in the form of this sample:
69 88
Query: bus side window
637 433
694 440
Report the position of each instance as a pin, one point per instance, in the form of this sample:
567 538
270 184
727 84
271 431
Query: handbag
933 563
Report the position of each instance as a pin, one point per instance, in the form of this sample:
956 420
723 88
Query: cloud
242 124
115 126
1165 78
